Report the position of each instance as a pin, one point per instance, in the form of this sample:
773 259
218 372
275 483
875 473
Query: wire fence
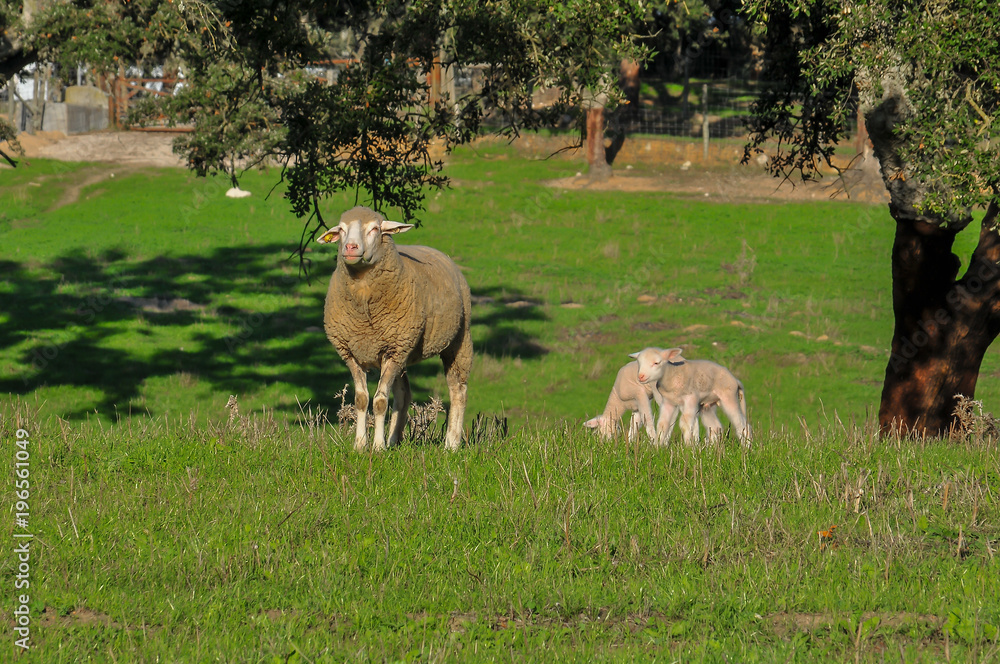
709 108
718 108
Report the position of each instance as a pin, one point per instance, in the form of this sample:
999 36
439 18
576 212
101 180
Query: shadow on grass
233 320
503 313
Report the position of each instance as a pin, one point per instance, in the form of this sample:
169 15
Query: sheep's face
653 362
361 232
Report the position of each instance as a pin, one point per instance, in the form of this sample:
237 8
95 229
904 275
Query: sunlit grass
263 534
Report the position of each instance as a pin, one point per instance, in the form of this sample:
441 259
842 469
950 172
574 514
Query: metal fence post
704 121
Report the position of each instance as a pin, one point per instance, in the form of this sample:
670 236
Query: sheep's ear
673 355
393 227
635 355
329 237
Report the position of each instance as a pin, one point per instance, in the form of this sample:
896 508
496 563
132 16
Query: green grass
260 537
794 298
167 531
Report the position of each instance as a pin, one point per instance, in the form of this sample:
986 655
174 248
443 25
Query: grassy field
149 293
169 527
265 540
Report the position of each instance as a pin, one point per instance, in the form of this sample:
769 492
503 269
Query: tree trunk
597 159
943 326
628 74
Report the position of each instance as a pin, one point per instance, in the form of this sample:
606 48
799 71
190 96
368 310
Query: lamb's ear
329 237
673 355
393 227
635 355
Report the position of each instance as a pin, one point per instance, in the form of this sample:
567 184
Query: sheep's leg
689 420
713 426
634 420
457 365
400 406
665 425
646 416
360 377
735 408
380 404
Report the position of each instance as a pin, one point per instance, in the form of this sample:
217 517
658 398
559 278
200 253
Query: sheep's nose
642 378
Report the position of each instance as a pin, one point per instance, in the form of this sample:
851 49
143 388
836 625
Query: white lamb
388 307
690 388
627 394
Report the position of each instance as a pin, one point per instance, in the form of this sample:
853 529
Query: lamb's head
653 362
361 234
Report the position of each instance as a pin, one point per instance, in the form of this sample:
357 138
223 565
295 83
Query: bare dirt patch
719 179
127 148
741 184
78 617
787 624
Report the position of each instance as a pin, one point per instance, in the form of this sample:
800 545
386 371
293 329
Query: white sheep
627 394
388 307
692 388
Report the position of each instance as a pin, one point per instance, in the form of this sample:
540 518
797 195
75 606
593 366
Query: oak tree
927 77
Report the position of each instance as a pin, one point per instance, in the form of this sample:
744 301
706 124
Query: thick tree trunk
943 326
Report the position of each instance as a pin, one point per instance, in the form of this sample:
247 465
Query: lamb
627 394
388 307
691 388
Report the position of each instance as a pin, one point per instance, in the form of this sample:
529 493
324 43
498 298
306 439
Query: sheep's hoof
361 445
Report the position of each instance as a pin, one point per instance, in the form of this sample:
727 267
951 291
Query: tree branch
14 62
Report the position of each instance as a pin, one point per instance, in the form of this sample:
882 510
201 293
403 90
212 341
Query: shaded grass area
151 293
264 538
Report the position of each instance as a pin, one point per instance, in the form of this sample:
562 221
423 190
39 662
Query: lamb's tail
606 427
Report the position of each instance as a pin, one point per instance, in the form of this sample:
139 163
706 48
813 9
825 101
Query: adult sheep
388 307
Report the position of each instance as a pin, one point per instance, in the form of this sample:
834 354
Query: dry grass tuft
486 428
345 414
972 423
422 419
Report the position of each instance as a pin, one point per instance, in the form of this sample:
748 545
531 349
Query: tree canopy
932 66
252 88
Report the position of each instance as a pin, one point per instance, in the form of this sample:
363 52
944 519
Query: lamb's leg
646 416
457 365
735 407
710 418
360 377
634 420
689 420
400 406
665 425
380 404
